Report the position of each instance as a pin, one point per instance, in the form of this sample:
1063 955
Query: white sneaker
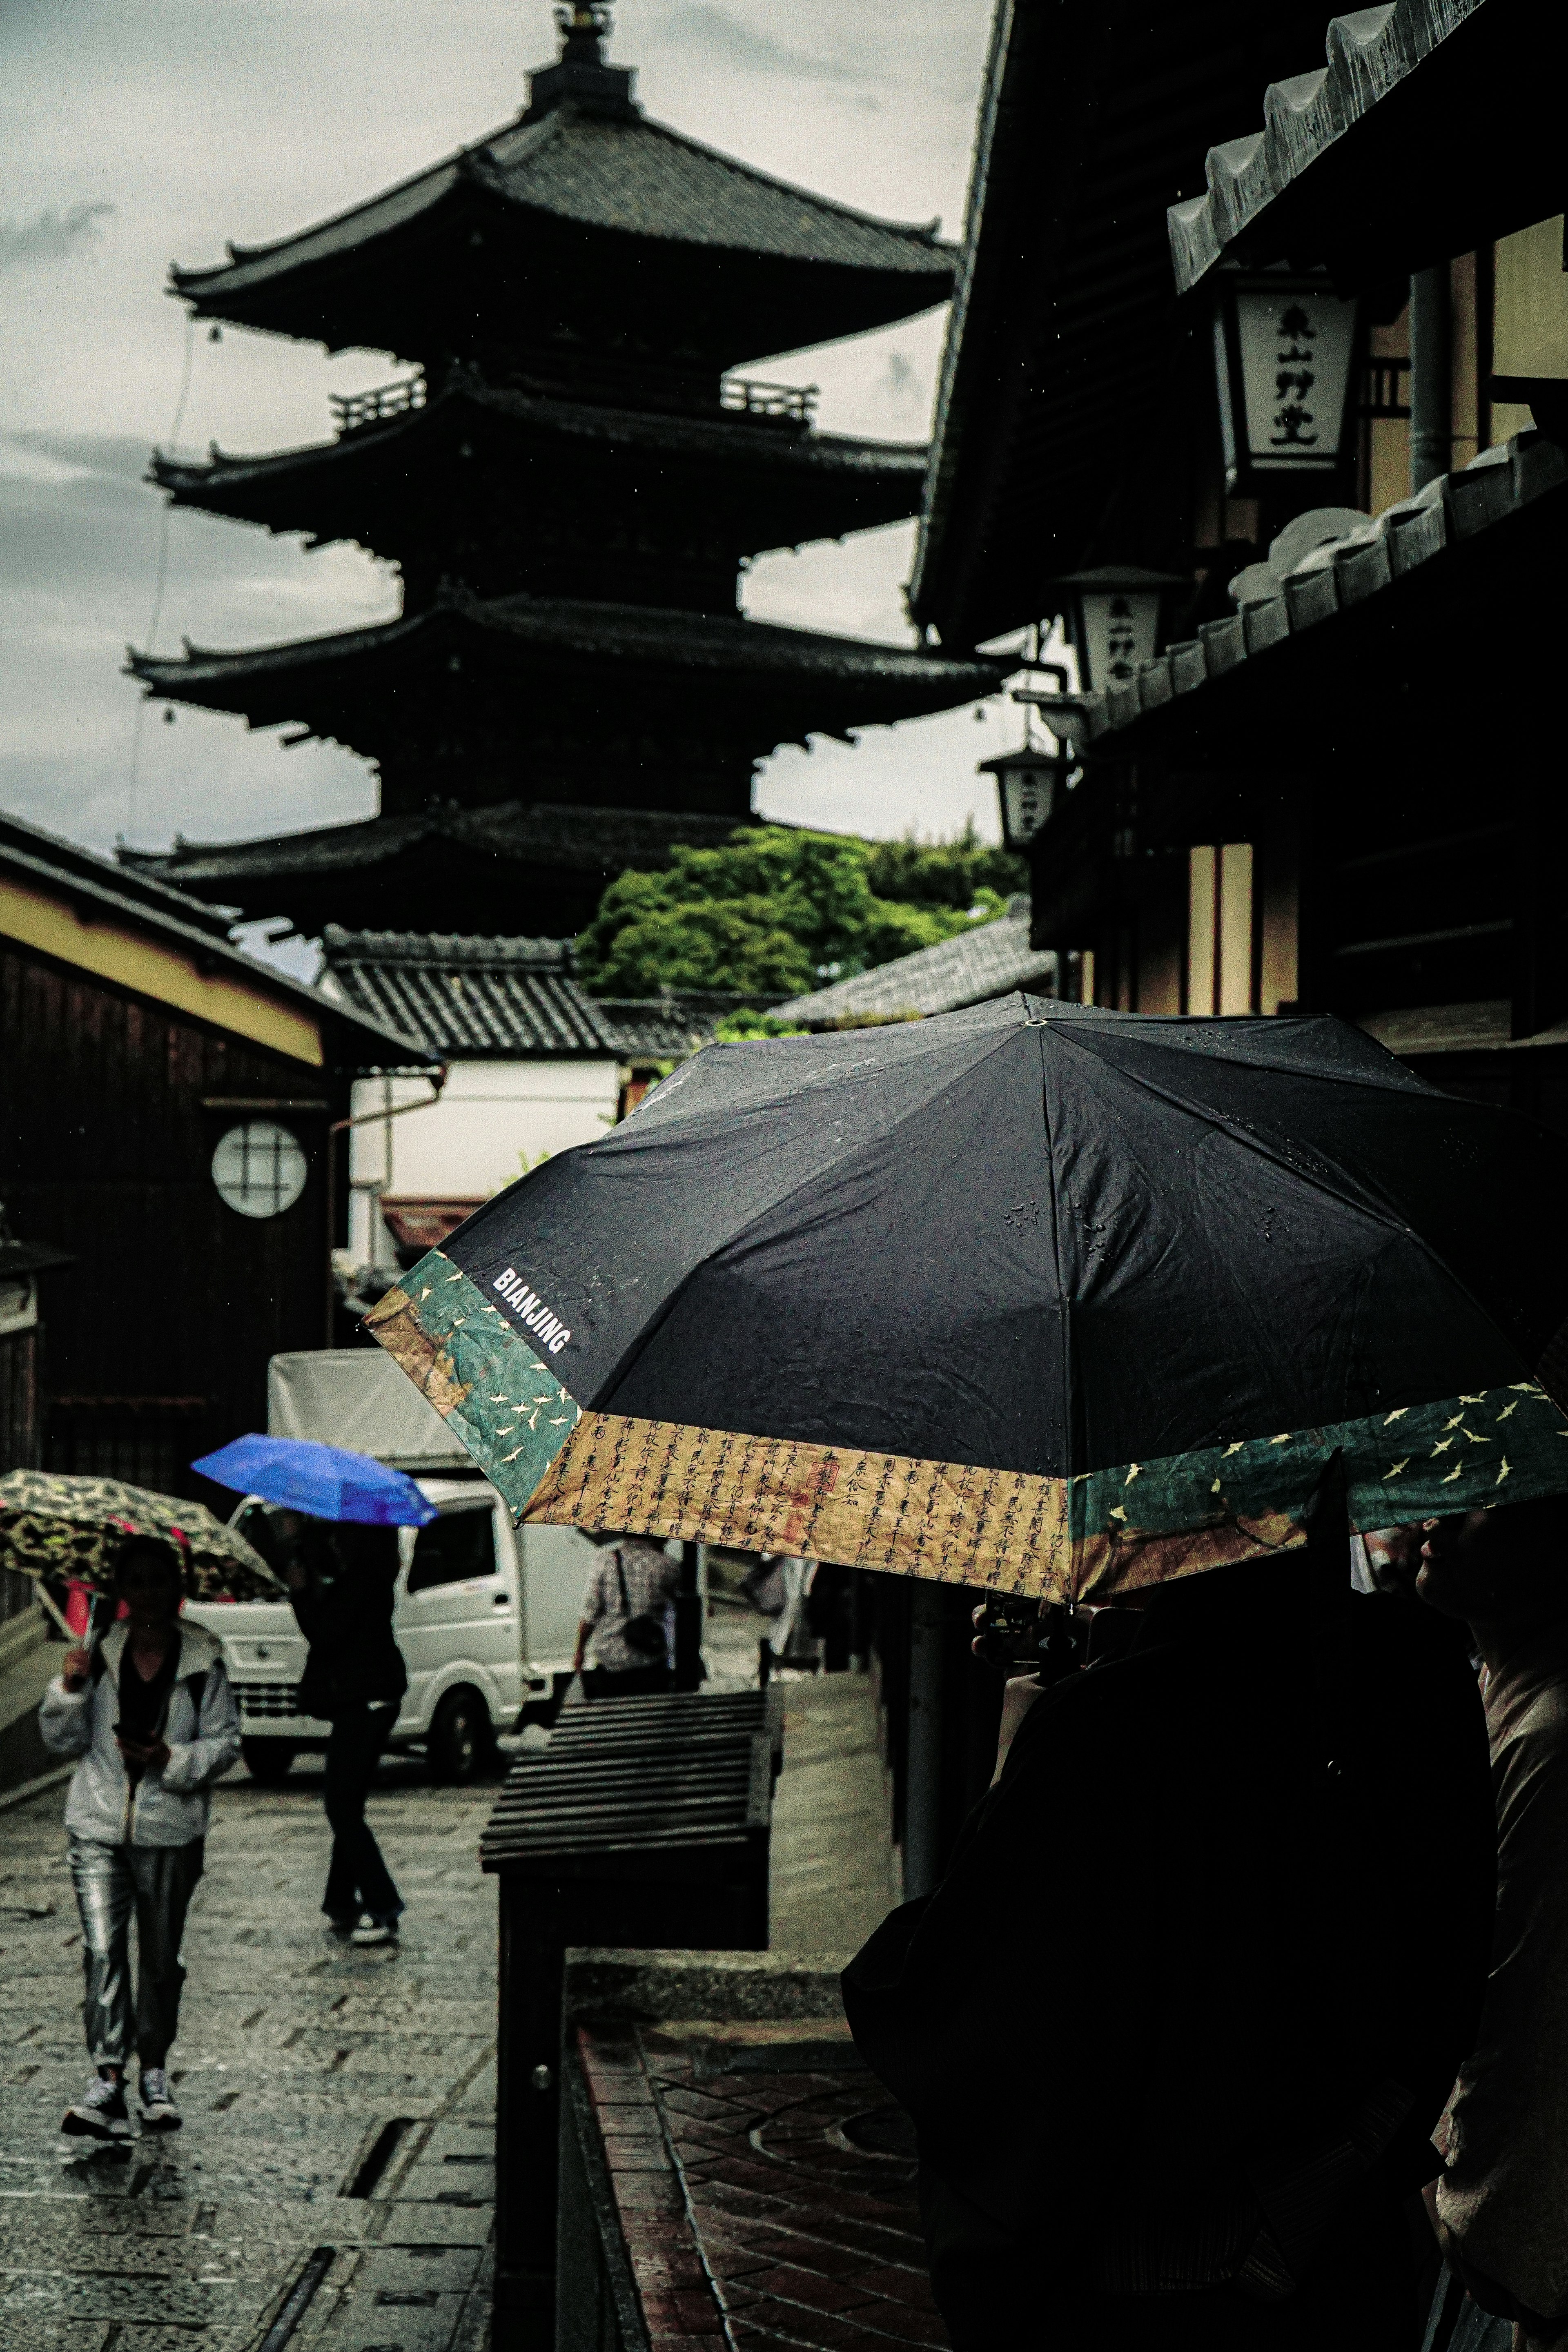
373 1931
158 2107
99 2113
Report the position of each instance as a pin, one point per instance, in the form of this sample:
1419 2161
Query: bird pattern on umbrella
60 1525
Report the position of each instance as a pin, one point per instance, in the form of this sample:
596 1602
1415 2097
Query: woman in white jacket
150 1713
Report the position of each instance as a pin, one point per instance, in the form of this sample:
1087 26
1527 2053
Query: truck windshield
458 1545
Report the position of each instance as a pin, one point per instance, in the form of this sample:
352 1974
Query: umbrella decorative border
1104 1531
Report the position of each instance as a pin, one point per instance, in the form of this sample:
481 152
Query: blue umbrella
323 1481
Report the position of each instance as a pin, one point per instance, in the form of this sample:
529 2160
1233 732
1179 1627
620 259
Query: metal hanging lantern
1028 784
1113 617
1284 350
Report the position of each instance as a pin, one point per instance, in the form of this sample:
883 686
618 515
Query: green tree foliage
944 873
776 913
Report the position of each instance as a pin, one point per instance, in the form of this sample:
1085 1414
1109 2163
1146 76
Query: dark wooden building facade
1326 784
570 486
165 1114
1327 778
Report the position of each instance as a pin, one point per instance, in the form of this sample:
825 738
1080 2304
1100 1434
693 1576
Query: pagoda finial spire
579 76
585 27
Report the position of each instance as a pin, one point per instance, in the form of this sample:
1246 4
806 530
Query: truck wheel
461 1740
267 1761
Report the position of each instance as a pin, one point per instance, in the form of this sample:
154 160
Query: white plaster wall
494 1120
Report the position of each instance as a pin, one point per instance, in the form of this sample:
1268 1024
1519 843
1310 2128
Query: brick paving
300 2059
765 2187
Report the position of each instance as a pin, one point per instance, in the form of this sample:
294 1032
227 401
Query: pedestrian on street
342 1581
1174 2029
1500 2205
149 1712
628 1620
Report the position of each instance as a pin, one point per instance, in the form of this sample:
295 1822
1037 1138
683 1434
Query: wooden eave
205 978
793 484
1067 375
384 274
776 682
1354 658
1434 128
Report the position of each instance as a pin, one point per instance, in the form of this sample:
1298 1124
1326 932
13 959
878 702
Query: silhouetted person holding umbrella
1177 2024
1500 2204
337 1513
342 1581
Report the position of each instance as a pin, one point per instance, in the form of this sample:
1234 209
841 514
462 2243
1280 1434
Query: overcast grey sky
139 131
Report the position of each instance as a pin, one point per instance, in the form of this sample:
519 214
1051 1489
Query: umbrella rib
1064 1317
642 1339
1391 1223
1228 1125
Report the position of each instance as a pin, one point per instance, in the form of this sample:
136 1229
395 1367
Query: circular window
260 1168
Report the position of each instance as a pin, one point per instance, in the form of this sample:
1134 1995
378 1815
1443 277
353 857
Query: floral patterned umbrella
52 1525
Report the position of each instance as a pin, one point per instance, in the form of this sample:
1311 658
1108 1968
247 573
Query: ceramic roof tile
1369 53
665 1028
1341 574
992 959
469 996
630 175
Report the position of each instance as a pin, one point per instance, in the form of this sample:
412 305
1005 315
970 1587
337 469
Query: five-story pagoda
570 485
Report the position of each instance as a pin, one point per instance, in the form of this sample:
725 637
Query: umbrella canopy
52 1525
323 1481
1034 1296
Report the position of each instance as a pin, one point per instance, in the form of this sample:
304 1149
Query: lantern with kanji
1283 351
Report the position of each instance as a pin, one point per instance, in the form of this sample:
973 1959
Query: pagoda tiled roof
649 636
625 175
399 483
763 446
584 840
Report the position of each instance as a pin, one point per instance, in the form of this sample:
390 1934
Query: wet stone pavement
335 2162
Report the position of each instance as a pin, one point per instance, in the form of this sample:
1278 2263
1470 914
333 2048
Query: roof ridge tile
1368 52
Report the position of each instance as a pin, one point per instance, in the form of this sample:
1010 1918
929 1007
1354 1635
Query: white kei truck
486 1613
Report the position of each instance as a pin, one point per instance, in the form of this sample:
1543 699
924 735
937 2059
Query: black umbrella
1033 1296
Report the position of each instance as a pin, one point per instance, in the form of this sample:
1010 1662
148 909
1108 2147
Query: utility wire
162 581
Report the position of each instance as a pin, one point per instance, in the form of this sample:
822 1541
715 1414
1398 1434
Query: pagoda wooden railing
787 403
350 410
795 403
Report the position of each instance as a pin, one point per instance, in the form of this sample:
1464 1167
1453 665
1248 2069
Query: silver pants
156 1883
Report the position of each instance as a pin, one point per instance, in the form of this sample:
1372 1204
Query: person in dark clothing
1177 2024
830 1614
342 1581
